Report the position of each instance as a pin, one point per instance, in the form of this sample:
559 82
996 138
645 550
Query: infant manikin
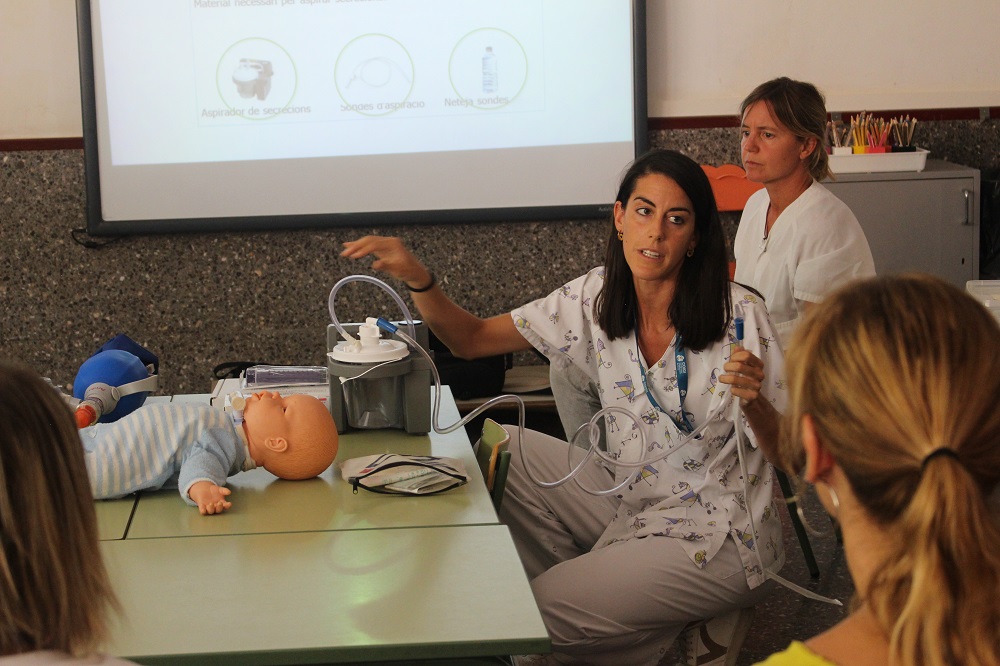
195 448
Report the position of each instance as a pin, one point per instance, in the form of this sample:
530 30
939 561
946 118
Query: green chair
494 459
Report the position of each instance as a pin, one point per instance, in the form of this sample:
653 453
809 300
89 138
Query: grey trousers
621 604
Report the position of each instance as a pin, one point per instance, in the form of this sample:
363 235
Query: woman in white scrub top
796 241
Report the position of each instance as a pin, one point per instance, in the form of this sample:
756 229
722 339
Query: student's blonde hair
890 370
54 589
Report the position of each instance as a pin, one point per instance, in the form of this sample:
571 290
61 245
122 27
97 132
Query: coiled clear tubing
591 429
408 318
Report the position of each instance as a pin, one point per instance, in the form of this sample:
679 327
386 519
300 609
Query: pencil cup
904 149
842 150
876 149
860 150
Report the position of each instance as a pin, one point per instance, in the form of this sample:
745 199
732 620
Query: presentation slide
297 107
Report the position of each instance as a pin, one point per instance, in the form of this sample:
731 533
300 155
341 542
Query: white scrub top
815 246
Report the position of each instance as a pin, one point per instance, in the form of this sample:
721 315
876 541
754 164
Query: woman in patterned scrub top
619 576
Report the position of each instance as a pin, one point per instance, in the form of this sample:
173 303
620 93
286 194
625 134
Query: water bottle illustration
489 71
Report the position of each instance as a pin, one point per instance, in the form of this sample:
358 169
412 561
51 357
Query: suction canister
377 383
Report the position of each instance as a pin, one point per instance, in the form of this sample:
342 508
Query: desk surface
322 597
262 503
113 517
304 572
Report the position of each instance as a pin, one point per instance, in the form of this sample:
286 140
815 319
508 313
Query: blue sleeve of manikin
213 457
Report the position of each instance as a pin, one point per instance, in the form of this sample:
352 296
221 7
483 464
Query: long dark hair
54 589
700 310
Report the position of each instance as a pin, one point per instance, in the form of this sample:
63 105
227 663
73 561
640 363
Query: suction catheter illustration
369 346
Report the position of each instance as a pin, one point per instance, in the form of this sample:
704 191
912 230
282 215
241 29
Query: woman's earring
621 234
794 500
835 514
690 252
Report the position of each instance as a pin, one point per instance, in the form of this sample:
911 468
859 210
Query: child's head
293 437
54 590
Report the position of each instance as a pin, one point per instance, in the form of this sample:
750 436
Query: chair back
494 458
730 186
731 189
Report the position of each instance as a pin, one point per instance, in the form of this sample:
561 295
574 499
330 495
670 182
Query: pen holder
876 149
904 149
860 150
843 150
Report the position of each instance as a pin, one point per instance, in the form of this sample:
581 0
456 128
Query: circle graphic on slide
374 74
256 78
488 66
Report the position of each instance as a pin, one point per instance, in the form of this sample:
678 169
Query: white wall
39 71
704 56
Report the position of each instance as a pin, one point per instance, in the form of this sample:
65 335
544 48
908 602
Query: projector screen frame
97 225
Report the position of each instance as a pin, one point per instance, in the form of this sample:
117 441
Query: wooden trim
655 124
693 122
924 115
67 143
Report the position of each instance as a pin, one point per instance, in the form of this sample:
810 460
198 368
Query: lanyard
680 364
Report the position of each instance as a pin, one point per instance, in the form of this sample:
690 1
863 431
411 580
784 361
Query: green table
113 517
302 572
262 503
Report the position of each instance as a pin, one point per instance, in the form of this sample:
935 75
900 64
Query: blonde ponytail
939 596
893 370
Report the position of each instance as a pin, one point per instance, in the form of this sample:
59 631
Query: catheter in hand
741 454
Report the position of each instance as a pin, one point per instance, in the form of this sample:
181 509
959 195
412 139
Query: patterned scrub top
697 492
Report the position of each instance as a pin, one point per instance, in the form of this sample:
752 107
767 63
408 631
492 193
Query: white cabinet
918 221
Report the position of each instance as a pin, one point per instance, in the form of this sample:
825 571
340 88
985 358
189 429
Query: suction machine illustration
253 78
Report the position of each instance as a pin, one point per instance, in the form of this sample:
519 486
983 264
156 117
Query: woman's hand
391 257
745 374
